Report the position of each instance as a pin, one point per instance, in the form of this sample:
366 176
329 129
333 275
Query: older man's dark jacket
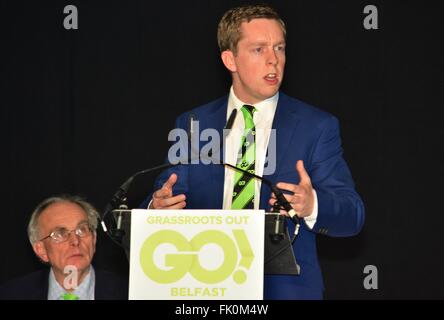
34 286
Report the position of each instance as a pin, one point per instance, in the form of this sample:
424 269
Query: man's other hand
164 199
301 197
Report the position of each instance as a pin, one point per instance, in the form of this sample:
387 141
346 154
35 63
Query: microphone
277 235
190 126
281 200
228 126
118 200
231 119
191 136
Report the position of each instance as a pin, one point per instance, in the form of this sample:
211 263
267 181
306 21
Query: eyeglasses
61 235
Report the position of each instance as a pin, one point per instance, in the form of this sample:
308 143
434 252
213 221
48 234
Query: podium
206 254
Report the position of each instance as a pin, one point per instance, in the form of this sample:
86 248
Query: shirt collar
85 291
265 108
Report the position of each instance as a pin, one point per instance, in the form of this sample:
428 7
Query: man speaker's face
258 66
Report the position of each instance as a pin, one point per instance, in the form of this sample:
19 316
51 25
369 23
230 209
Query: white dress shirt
263 120
85 291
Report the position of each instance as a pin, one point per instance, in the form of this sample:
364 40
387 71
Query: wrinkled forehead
66 215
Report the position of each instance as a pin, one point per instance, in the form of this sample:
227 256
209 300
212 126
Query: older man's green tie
70 296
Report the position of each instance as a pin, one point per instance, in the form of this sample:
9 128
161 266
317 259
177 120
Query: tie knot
247 112
249 109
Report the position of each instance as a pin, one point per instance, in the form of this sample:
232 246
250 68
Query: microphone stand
119 200
118 203
281 200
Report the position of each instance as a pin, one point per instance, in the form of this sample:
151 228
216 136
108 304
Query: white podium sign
197 254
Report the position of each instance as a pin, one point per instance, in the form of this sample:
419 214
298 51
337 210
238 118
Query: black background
81 110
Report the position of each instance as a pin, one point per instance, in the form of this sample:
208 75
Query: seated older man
62 231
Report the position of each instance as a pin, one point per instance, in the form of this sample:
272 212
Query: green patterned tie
243 191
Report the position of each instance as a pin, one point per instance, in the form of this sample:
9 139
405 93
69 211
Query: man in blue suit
309 166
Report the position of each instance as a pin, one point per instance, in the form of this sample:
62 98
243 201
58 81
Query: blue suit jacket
302 133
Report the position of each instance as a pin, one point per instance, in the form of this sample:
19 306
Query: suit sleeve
340 209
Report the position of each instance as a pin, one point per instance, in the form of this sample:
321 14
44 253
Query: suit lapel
40 290
217 120
285 122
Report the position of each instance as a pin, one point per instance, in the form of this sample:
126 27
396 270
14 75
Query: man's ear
227 57
40 251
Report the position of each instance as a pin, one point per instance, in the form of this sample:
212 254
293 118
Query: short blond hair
228 31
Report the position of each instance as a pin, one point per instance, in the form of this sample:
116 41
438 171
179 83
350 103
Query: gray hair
33 227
